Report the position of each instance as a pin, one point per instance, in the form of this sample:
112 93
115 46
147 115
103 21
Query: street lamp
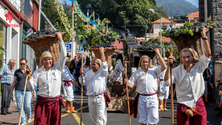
160 27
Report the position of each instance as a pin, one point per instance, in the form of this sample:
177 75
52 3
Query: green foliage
188 28
177 7
96 36
50 11
120 12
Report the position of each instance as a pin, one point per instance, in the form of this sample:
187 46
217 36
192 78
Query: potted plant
97 36
147 48
189 35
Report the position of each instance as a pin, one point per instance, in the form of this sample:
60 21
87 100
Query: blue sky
67 1
194 2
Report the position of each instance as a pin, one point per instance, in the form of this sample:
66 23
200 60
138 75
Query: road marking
82 108
74 115
77 118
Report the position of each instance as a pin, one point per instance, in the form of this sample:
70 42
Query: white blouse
49 82
146 82
190 85
96 82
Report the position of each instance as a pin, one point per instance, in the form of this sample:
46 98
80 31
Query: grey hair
11 60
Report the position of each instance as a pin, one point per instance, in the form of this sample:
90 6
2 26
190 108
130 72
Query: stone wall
217 36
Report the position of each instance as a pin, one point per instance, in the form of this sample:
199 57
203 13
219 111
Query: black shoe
9 112
4 113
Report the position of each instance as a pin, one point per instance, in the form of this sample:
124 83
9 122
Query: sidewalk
11 119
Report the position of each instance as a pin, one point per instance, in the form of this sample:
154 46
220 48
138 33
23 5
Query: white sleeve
133 78
32 83
158 70
204 61
104 68
62 58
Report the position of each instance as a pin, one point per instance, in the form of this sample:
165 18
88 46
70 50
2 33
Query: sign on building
68 47
81 48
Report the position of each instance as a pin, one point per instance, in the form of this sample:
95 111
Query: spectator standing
18 85
6 77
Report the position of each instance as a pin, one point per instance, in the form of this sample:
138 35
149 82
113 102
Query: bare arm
126 81
62 58
207 49
163 64
12 88
167 74
103 58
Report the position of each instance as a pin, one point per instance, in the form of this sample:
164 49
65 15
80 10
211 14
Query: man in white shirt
48 80
145 79
95 81
190 84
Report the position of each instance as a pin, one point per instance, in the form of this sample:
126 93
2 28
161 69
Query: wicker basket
45 43
150 53
108 54
185 40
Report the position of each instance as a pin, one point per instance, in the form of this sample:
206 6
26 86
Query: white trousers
148 109
68 92
97 109
164 91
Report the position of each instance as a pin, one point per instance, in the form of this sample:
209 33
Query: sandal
72 110
165 109
161 108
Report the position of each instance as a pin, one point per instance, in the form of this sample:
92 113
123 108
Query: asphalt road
119 118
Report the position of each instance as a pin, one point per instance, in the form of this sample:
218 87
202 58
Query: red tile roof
164 21
193 15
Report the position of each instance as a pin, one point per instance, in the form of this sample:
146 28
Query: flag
72 6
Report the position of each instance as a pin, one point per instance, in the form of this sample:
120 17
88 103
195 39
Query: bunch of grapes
146 47
40 33
105 45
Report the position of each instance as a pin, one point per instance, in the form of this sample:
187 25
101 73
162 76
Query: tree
48 7
120 12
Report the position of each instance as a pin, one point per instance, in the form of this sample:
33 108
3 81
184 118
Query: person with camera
18 84
48 79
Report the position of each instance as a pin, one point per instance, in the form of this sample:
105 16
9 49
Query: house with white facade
155 26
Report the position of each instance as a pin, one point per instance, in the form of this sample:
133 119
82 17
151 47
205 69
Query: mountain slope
174 7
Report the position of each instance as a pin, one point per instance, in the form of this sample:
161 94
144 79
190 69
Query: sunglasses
22 63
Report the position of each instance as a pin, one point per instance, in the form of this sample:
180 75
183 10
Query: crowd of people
192 78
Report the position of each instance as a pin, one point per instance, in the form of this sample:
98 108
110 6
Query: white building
10 31
155 26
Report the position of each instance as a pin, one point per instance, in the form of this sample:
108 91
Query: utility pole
40 8
73 38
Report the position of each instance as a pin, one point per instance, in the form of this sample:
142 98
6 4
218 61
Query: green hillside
174 7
